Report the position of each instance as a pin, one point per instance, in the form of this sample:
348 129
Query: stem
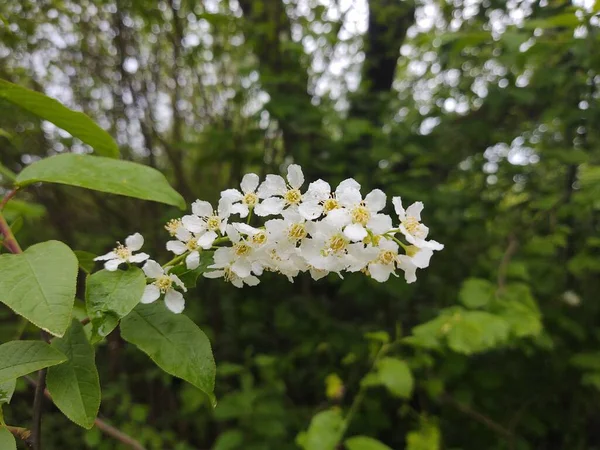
102 425
9 239
399 242
10 194
249 216
176 260
20 433
361 391
38 404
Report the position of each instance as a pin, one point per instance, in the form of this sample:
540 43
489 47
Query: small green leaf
74 385
7 440
190 277
110 296
7 389
476 292
103 174
18 358
40 284
174 343
365 443
76 123
86 261
427 437
395 375
324 432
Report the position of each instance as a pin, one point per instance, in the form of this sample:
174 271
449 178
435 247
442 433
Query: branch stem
9 239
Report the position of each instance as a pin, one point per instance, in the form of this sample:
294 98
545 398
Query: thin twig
107 429
10 194
38 406
508 254
9 239
490 423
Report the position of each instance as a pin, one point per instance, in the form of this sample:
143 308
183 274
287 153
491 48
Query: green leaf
18 358
74 385
174 343
394 374
7 389
86 261
229 440
39 284
476 292
103 174
365 443
7 440
324 432
110 296
76 123
426 438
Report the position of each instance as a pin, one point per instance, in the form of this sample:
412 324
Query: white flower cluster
317 231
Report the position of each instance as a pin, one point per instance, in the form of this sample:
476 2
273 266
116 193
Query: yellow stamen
292 197
250 199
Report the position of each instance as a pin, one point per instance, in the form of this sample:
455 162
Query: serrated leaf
364 443
18 358
7 440
324 432
74 384
39 284
76 123
174 343
110 296
7 389
476 292
104 175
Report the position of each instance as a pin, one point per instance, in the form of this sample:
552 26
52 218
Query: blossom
164 283
384 265
411 226
278 194
358 216
188 242
319 199
243 202
124 253
206 221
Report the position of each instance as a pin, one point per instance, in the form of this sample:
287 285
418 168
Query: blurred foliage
487 111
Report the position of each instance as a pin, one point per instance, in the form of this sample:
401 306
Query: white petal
249 183
410 270
310 210
233 234
273 185
140 257
113 264
355 232
414 210
151 294
422 257
233 195
380 224
349 183
224 208
237 282
381 272
349 197
109 255
176 247
375 200
192 261
206 240
245 229
174 301
241 268
175 279
295 176
251 280
241 209
397 202
388 244
152 269
182 234
134 242
202 208
193 224
318 190
434 245
338 217
214 274
269 207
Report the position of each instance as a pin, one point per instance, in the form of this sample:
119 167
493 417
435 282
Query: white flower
206 221
358 215
327 249
247 199
187 242
411 226
277 194
163 284
124 253
384 265
319 200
